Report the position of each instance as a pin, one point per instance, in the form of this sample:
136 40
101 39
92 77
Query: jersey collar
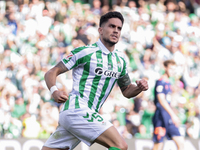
164 79
103 48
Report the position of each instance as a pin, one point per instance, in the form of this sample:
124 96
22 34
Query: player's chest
167 88
105 66
168 92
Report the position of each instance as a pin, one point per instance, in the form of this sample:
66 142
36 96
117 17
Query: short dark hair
109 15
166 63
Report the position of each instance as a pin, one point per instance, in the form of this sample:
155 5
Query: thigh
159 131
84 123
179 140
111 138
172 131
158 146
61 139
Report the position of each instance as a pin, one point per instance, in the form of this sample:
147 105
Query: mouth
114 36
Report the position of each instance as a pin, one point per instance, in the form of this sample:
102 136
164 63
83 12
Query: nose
116 30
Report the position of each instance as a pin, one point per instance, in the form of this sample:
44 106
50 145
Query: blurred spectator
96 7
44 22
31 126
62 12
82 36
19 107
121 129
142 134
12 23
147 114
48 118
133 121
36 8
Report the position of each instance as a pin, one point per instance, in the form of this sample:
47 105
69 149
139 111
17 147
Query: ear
100 30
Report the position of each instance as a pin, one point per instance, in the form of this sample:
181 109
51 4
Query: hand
142 84
60 96
175 120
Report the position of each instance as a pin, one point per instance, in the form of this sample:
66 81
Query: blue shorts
163 126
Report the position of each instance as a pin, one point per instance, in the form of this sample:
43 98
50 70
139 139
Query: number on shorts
94 116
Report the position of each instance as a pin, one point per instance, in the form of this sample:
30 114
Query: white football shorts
76 125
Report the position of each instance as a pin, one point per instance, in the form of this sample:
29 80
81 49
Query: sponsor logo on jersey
99 71
159 88
109 73
159 132
68 56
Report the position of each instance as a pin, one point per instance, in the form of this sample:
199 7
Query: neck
165 77
109 46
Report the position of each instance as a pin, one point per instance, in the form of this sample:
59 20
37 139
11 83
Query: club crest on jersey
119 65
99 71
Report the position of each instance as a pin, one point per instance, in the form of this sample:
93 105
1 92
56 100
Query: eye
112 26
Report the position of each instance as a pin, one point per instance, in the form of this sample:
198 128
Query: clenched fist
142 84
60 96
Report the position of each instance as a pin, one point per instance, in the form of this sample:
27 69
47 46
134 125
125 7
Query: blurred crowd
35 35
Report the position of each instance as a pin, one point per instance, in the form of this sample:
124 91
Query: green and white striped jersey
95 71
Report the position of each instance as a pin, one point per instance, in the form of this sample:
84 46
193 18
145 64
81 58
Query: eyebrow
115 26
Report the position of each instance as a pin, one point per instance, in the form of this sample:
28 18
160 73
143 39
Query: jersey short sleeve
69 61
123 79
125 66
73 59
160 87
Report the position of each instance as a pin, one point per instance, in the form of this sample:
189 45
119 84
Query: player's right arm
50 79
166 106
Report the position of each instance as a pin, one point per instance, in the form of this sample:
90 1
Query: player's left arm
131 90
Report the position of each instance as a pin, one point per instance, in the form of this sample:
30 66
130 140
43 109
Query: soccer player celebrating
165 120
96 68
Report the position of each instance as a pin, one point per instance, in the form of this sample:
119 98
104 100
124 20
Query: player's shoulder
160 81
120 54
85 48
